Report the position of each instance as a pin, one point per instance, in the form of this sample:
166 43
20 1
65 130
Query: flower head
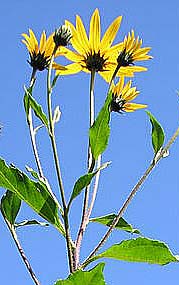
122 95
39 54
62 36
93 53
130 53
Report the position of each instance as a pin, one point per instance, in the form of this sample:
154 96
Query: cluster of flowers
93 54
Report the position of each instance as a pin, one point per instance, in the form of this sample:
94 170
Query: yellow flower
122 95
40 54
93 53
131 52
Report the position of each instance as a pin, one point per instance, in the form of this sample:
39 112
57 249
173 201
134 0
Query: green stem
57 165
34 145
155 161
90 164
21 252
98 163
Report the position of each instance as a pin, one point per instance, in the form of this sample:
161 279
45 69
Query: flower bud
62 36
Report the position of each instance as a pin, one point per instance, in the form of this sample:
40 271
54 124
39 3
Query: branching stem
155 161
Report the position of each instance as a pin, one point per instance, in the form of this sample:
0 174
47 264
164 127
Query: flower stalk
91 164
57 164
32 131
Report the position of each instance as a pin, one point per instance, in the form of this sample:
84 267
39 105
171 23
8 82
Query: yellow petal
106 75
70 69
131 107
110 33
131 94
33 41
49 45
119 86
42 42
82 34
58 66
71 55
132 69
75 40
95 31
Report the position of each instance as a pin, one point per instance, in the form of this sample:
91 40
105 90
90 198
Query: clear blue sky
155 209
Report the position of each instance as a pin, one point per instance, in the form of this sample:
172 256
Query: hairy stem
21 252
155 161
57 166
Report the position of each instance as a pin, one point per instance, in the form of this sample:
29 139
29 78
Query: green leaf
100 130
92 277
54 81
30 223
121 225
29 101
140 250
10 206
84 181
158 134
28 92
35 194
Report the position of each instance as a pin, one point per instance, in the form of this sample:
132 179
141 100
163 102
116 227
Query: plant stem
95 188
21 252
31 130
57 166
34 146
98 165
155 161
84 219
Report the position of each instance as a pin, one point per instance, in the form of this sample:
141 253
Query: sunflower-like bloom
130 53
98 55
40 54
93 54
122 95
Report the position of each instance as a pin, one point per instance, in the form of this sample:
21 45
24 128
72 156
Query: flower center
39 61
95 62
125 58
117 104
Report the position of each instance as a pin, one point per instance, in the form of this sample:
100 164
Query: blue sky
155 209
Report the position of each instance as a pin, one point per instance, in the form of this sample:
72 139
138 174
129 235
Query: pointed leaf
54 81
100 131
35 194
158 134
29 101
26 99
10 206
91 277
29 223
140 250
121 225
84 181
